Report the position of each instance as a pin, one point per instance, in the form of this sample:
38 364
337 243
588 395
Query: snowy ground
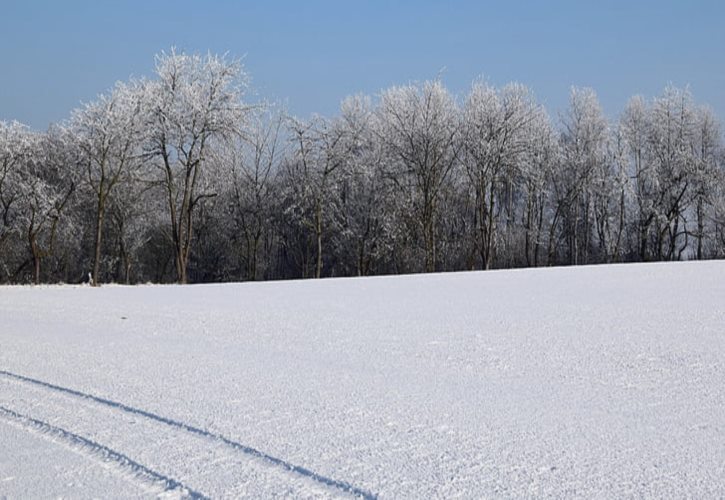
601 381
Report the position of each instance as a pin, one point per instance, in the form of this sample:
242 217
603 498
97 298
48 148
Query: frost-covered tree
420 127
45 188
610 185
718 210
179 178
673 148
108 133
671 136
320 150
634 127
584 151
253 161
134 213
707 147
540 159
495 140
194 103
364 204
17 148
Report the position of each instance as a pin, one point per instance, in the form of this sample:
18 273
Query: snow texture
602 381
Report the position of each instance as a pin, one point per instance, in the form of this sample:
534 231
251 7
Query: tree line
180 178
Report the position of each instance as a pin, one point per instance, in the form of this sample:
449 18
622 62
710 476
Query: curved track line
98 450
278 462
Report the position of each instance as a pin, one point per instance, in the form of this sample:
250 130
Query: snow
603 381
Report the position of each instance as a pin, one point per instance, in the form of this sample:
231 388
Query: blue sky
55 54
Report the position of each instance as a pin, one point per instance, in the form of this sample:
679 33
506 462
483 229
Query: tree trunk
98 242
318 236
127 271
36 264
36 259
528 229
430 259
253 260
643 230
700 226
361 258
539 228
551 251
490 230
125 259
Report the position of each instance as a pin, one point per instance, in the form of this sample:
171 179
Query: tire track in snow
340 486
100 452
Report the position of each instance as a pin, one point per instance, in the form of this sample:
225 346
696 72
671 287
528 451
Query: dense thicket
179 178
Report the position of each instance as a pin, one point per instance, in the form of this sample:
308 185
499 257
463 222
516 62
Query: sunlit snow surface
603 381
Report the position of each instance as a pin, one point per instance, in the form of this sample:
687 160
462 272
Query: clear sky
56 54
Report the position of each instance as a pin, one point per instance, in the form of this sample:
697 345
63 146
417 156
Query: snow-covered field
601 381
